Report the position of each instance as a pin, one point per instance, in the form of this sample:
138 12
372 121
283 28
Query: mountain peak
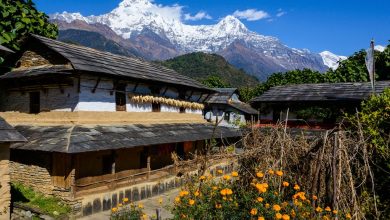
131 3
232 24
331 60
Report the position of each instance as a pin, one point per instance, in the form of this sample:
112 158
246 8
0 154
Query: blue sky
340 26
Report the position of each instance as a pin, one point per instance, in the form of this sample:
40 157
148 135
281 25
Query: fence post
148 166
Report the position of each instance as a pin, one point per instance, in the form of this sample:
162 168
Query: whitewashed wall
138 107
194 111
101 100
168 108
216 113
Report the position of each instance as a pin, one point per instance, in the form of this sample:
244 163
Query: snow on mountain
331 60
379 48
132 18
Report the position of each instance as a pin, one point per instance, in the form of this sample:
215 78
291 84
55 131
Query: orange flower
125 199
226 177
220 171
160 200
261 187
114 209
328 209
253 211
226 192
215 188
271 171
177 199
276 208
183 193
335 212
325 217
279 173
140 206
296 187
293 213
202 178
234 174
259 199
191 202
259 174
348 216
285 184
285 217
218 206
318 209
196 193
267 205
120 204
278 216
260 218
315 197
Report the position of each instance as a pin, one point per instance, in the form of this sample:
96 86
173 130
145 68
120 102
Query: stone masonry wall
5 193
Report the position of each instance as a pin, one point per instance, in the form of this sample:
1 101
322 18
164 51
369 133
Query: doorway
35 100
120 97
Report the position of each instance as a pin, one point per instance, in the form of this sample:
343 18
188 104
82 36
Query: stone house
333 98
8 135
101 127
226 108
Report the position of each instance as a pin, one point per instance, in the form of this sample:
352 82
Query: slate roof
321 92
84 138
31 72
222 95
95 61
243 107
5 49
8 133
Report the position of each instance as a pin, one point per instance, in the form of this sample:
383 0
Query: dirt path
150 206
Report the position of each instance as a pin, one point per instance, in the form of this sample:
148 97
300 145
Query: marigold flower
325 217
114 209
177 199
335 212
120 204
183 193
140 205
125 199
293 213
224 198
348 216
220 171
202 178
328 209
276 208
259 174
315 197
260 218
285 217
296 187
191 201
196 193
160 200
279 173
284 204
253 211
226 192
234 174
271 171
226 177
215 188
218 206
261 187
260 199
267 205
144 216
285 184
318 209
278 216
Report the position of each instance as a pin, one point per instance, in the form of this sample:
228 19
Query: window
120 97
227 116
156 107
108 161
35 102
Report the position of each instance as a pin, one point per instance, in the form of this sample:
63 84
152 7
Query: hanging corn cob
166 101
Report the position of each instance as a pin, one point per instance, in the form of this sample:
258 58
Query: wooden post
334 171
158 213
148 166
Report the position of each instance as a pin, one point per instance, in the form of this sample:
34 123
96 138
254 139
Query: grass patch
47 204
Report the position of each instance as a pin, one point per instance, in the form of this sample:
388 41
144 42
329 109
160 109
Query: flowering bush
269 196
128 210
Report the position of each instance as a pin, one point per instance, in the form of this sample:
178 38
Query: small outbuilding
313 104
226 108
8 135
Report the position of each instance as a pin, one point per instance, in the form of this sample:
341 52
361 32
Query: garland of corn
166 101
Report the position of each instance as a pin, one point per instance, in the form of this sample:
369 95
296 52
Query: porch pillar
148 165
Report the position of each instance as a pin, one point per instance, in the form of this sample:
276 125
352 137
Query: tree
215 81
18 18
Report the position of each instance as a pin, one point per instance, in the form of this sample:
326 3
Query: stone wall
5 193
32 169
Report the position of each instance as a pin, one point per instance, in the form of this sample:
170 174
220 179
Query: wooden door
35 100
120 97
61 170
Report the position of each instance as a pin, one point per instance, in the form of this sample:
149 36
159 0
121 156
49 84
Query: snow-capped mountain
331 60
150 27
379 48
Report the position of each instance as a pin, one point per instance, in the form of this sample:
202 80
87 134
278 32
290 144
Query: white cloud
251 14
280 13
173 12
198 16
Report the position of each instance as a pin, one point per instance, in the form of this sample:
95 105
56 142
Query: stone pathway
150 206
